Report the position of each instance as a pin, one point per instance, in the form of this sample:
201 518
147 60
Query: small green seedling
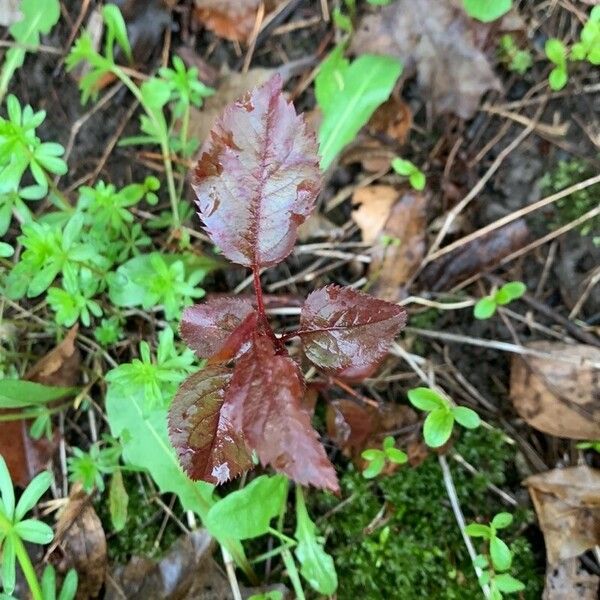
516 59
591 445
89 468
439 423
377 458
415 176
486 307
494 574
15 529
487 10
556 52
588 47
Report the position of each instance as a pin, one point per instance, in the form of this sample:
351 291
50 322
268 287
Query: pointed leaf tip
258 177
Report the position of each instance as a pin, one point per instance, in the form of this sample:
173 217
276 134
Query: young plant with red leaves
256 181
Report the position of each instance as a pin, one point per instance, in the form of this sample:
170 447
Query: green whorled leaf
7 492
37 487
8 564
500 554
18 393
118 501
69 587
116 28
487 10
257 177
217 328
267 389
34 531
466 417
426 399
205 429
316 566
348 332
438 427
247 513
366 83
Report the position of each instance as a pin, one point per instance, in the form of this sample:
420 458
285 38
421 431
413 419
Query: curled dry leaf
80 543
476 256
397 259
567 502
437 40
257 177
266 393
218 328
555 396
347 332
202 431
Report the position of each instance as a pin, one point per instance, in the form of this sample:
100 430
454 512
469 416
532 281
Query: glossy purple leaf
218 328
269 386
203 428
257 177
347 332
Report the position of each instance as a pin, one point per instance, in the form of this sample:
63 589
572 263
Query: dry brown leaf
396 223
371 154
80 543
558 397
569 580
567 503
393 119
438 41
230 19
318 225
477 256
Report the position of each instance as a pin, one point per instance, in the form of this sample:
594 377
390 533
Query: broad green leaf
487 10
247 513
426 399
478 530
508 584
485 308
438 427
500 554
502 520
466 417
316 566
33 492
330 78
18 393
367 83
118 500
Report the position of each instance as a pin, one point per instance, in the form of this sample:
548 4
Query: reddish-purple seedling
256 181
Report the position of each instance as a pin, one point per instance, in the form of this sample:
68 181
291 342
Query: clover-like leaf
502 520
218 328
438 427
269 388
205 430
466 417
257 177
485 308
348 332
426 399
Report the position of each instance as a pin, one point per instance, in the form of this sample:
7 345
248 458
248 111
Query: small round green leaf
426 399
375 467
481 561
485 308
500 554
508 584
396 456
478 530
502 520
371 453
487 10
510 291
558 78
403 167
466 417
417 180
556 51
438 427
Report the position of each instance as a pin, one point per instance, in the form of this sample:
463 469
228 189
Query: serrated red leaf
257 177
204 430
269 387
347 332
218 328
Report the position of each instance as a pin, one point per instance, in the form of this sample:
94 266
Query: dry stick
254 35
594 279
233 582
513 217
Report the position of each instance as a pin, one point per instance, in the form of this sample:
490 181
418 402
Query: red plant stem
354 393
260 304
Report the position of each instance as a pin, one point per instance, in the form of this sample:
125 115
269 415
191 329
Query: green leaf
438 427
33 492
509 292
478 530
375 466
6 250
48 583
417 180
247 513
426 399
396 456
117 28
330 78
502 520
558 78
487 10
367 83
118 500
7 492
34 531
403 167
18 393
508 584
485 308
500 554
316 566
69 588
272 595
371 453
8 564
466 417
556 52
481 561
